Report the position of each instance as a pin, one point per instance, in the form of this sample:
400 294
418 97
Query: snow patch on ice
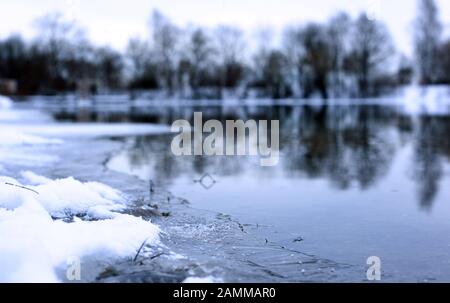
34 245
209 279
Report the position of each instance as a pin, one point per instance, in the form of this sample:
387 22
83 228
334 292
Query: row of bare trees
343 57
59 59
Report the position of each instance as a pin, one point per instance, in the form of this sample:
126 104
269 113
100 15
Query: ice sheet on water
17 148
63 130
25 156
22 130
35 245
10 136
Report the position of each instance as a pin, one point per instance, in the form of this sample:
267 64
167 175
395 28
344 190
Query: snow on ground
93 199
432 100
36 243
5 102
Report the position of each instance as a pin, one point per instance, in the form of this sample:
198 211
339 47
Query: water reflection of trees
347 145
431 146
344 145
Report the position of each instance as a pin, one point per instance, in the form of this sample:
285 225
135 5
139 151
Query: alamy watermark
73 272
373 273
236 138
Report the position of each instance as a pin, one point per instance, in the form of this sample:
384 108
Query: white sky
113 22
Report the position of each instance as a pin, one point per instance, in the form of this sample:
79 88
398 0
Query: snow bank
433 100
64 197
35 245
5 102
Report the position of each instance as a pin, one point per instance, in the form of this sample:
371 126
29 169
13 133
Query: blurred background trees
371 49
342 57
427 38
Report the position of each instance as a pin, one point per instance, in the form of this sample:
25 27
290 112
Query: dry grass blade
22 187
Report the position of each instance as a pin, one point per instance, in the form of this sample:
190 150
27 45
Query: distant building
8 87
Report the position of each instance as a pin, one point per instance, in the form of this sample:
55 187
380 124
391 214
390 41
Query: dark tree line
59 60
342 57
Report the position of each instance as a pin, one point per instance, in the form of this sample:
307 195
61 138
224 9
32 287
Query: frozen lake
352 182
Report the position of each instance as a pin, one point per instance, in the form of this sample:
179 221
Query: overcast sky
114 22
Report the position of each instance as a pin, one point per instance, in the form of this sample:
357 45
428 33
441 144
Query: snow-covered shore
42 226
45 223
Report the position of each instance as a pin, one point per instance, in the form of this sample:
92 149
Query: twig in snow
152 190
156 256
22 187
139 250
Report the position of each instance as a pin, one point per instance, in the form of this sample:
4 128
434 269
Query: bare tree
138 54
275 74
200 56
427 35
293 50
338 30
109 67
64 43
316 60
372 47
165 39
230 47
142 68
444 55
327 59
